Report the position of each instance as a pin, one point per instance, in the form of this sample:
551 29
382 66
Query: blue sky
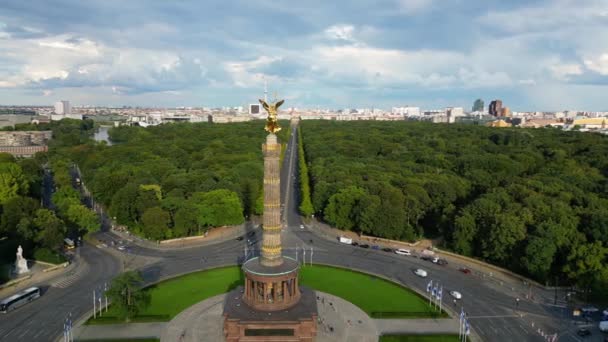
534 55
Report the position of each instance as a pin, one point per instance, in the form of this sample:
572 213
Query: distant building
453 113
478 106
495 108
254 109
505 112
63 108
24 143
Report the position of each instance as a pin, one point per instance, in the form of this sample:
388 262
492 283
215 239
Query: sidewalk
119 331
215 236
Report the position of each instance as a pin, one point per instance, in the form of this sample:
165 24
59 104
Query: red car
465 270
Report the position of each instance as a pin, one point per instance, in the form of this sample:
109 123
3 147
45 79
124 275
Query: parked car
427 258
583 332
388 250
355 243
376 247
589 309
301 226
240 238
121 248
345 240
420 272
364 245
465 270
435 260
456 294
402 251
442 262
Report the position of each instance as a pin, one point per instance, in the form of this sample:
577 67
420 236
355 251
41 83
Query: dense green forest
23 220
177 179
534 201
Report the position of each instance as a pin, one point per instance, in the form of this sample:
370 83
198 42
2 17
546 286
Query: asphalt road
493 312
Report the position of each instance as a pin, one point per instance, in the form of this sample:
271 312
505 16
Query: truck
346 240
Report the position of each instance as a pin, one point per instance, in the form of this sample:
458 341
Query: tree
127 296
12 181
15 210
218 208
586 262
155 223
186 220
339 211
478 105
83 217
51 229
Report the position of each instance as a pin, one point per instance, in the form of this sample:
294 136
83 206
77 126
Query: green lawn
419 338
378 297
168 298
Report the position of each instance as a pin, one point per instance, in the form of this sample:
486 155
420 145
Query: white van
421 273
346 240
603 326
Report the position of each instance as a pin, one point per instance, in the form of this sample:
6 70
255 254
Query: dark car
364 245
583 332
251 233
442 262
240 238
375 247
388 250
355 243
426 257
465 270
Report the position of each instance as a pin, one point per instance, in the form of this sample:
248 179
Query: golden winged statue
272 125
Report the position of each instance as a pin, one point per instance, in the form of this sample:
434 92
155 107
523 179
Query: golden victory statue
272 125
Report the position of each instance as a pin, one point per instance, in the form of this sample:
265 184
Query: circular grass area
379 298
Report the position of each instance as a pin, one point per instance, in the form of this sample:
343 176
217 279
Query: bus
19 299
68 243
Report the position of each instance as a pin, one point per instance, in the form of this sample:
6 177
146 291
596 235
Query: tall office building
63 107
495 108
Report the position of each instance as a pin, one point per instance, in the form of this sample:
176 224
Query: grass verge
379 298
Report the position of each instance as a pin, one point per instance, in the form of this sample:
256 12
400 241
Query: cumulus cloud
180 50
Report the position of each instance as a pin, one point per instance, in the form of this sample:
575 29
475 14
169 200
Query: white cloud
340 32
414 6
563 71
598 64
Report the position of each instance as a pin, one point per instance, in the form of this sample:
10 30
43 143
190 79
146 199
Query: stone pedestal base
243 323
271 288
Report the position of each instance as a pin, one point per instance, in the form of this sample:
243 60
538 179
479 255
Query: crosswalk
70 277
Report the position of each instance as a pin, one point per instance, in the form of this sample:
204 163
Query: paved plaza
339 321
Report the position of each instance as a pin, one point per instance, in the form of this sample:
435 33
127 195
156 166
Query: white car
301 226
456 294
121 248
590 309
402 251
421 273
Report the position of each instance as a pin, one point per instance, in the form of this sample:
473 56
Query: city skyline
533 55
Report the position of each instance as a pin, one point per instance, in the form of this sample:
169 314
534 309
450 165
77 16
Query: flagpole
440 298
94 307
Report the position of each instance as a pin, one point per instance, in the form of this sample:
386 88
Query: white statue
20 263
